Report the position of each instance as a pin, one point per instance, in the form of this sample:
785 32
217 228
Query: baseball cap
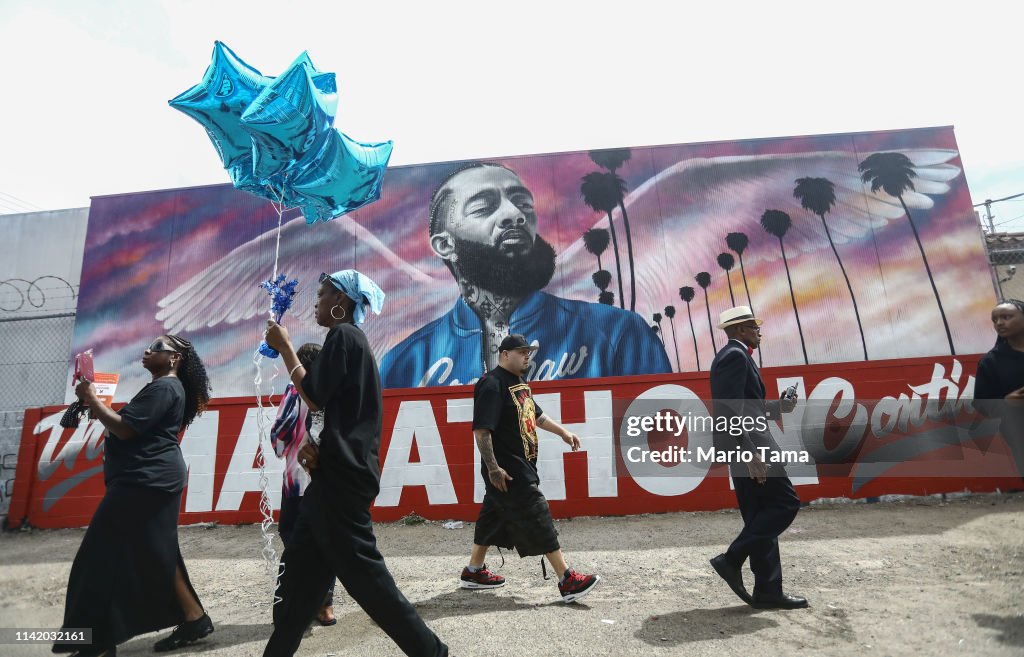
515 341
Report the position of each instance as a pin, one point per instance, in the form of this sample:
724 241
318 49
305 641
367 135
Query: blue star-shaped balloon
346 175
228 87
326 86
288 120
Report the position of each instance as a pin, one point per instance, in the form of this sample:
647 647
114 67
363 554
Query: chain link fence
40 267
1006 255
33 372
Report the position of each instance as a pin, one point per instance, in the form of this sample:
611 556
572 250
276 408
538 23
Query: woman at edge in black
333 535
999 382
128 577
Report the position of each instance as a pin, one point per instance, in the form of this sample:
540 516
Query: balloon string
278 205
266 510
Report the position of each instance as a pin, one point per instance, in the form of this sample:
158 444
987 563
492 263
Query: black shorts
517 519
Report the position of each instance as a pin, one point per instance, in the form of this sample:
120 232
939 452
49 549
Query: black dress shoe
186 633
780 601
732 575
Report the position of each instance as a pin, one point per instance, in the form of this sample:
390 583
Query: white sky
85 83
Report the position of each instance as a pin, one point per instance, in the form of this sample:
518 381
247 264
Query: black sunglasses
160 345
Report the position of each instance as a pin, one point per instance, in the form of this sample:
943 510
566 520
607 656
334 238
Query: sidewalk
919 577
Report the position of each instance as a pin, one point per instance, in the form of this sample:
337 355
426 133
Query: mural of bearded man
483 225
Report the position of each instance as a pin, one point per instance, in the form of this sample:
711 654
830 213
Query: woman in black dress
333 535
999 383
128 577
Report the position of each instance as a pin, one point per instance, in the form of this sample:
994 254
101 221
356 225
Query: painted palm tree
704 280
595 241
602 278
777 223
600 193
670 312
818 196
893 173
738 242
657 320
610 160
727 262
686 293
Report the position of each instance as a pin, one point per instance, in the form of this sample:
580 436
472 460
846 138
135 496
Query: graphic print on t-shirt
523 398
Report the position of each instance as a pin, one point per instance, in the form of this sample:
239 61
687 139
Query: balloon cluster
275 136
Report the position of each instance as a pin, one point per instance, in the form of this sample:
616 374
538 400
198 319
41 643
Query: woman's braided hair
1013 302
192 374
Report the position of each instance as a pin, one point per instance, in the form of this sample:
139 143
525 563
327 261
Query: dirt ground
921 576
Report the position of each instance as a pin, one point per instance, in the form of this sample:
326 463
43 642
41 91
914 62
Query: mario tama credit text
639 429
673 455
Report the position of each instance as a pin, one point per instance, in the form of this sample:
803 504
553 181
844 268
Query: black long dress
122 579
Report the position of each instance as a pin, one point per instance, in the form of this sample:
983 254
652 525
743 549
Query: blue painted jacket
577 340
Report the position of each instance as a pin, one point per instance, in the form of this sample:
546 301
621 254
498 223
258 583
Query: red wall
427 449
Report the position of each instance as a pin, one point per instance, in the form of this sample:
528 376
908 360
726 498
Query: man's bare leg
477 556
557 561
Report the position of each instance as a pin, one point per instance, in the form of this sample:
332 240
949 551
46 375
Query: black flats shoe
186 633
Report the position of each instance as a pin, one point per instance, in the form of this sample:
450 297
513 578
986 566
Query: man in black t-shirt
514 512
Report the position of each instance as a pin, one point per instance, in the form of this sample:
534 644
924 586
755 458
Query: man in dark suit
765 494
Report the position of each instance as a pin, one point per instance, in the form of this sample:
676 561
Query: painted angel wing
227 291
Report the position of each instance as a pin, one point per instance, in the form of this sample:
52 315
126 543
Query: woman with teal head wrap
333 536
360 289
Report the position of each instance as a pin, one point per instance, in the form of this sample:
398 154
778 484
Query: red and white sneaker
575 585
481 579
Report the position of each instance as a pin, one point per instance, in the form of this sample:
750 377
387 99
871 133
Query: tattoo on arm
483 441
544 422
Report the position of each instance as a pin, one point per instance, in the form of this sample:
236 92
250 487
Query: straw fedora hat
737 315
